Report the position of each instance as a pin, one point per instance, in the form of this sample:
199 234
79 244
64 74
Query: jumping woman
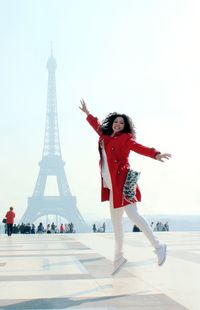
117 138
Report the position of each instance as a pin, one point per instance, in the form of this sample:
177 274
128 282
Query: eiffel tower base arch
59 206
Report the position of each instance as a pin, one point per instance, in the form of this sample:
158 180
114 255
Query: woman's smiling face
118 124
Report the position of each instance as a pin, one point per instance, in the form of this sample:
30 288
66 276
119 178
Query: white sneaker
118 264
161 253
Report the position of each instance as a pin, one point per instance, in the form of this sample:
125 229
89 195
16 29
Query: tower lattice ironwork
63 205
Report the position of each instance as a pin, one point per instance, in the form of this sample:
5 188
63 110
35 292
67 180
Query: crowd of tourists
99 229
11 228
40 228
159 226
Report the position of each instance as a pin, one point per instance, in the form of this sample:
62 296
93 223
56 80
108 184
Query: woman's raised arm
93 121
83 107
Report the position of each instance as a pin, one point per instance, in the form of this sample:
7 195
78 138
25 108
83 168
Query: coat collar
117 134
105 137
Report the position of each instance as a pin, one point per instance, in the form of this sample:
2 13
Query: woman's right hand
83 107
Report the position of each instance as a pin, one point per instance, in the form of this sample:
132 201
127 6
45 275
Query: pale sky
141 58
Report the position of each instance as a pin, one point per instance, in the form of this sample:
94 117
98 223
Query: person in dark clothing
10 215
94 228
136 229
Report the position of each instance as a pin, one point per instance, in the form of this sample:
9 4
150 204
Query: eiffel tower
52 164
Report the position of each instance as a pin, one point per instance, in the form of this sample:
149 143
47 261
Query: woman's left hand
160 156
83 107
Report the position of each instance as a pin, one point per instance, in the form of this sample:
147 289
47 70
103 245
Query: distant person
28 228
48 229
10 215
33 229
104 226
53 228
66 228
40 228
71 227
135 229
116 140
166 226
62 229
94 228
15 229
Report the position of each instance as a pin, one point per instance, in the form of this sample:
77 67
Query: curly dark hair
106 125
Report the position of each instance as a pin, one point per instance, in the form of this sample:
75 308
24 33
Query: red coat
10 215
117 150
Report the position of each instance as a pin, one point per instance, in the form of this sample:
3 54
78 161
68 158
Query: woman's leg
132 212
116 218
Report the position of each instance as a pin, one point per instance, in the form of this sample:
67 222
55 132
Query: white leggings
132 212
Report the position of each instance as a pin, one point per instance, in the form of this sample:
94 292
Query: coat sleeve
141 149
94 122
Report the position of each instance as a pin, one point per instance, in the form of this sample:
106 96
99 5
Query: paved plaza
72 271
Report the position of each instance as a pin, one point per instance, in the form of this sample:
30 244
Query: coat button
116 161
112 148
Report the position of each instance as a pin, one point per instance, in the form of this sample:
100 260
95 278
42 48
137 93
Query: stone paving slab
148 302
73 272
